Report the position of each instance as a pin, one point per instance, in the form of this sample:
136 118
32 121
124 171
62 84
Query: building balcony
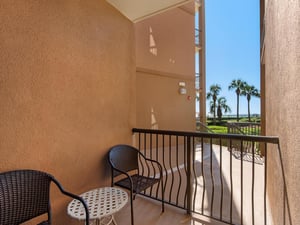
72 86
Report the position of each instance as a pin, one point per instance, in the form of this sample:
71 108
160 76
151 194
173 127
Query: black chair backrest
124 157
24 194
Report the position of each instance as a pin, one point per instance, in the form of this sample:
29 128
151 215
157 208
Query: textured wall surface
160 106
165 55
67 89
166 43
282 64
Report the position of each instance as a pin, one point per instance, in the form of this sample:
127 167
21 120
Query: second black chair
139 173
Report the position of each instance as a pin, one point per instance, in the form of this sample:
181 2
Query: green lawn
218 129
221 127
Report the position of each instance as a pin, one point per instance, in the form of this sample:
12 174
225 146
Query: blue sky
233 48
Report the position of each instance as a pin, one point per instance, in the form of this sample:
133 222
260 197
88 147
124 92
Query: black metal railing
246 128
203 176
202 127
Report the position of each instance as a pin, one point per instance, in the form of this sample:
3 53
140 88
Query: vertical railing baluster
231 182
164 163
186 171
148 167
253 181
142 167
265 185
150 146
179 173
140 148
203 175
212 179
189 170
195 174
157 159
171 168
221 180
154 172
140 141
143 162
242 181
145 144
147 155
286 202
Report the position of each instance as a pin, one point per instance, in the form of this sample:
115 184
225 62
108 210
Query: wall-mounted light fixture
182 88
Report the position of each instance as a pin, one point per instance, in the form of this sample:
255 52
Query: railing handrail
206 127
243 123
254 138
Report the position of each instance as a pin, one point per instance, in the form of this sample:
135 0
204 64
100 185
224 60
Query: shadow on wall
154 124
152 43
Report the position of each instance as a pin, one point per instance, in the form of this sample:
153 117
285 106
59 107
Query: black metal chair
139 172
25 194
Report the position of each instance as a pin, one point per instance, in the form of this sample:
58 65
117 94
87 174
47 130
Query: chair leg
131 204
162 196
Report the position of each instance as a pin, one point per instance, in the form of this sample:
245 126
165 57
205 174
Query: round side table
102 204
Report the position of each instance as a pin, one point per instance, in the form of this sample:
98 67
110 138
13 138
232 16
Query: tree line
219 104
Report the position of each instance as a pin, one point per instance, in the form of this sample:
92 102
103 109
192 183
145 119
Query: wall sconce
182 88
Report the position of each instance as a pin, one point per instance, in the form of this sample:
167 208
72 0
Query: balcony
70 88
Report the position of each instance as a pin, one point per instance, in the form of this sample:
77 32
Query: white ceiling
137 10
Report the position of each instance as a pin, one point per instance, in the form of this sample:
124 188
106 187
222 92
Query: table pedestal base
105 221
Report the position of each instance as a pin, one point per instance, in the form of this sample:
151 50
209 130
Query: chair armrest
124 173
158 164
154 161
75 197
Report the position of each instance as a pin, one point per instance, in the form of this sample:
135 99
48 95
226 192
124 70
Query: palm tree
222 105
238 86
248 91
213 93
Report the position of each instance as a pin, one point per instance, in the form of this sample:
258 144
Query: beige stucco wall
67 90
165 51
162 105
282 67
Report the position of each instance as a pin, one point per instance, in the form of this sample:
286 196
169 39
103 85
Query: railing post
189 172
